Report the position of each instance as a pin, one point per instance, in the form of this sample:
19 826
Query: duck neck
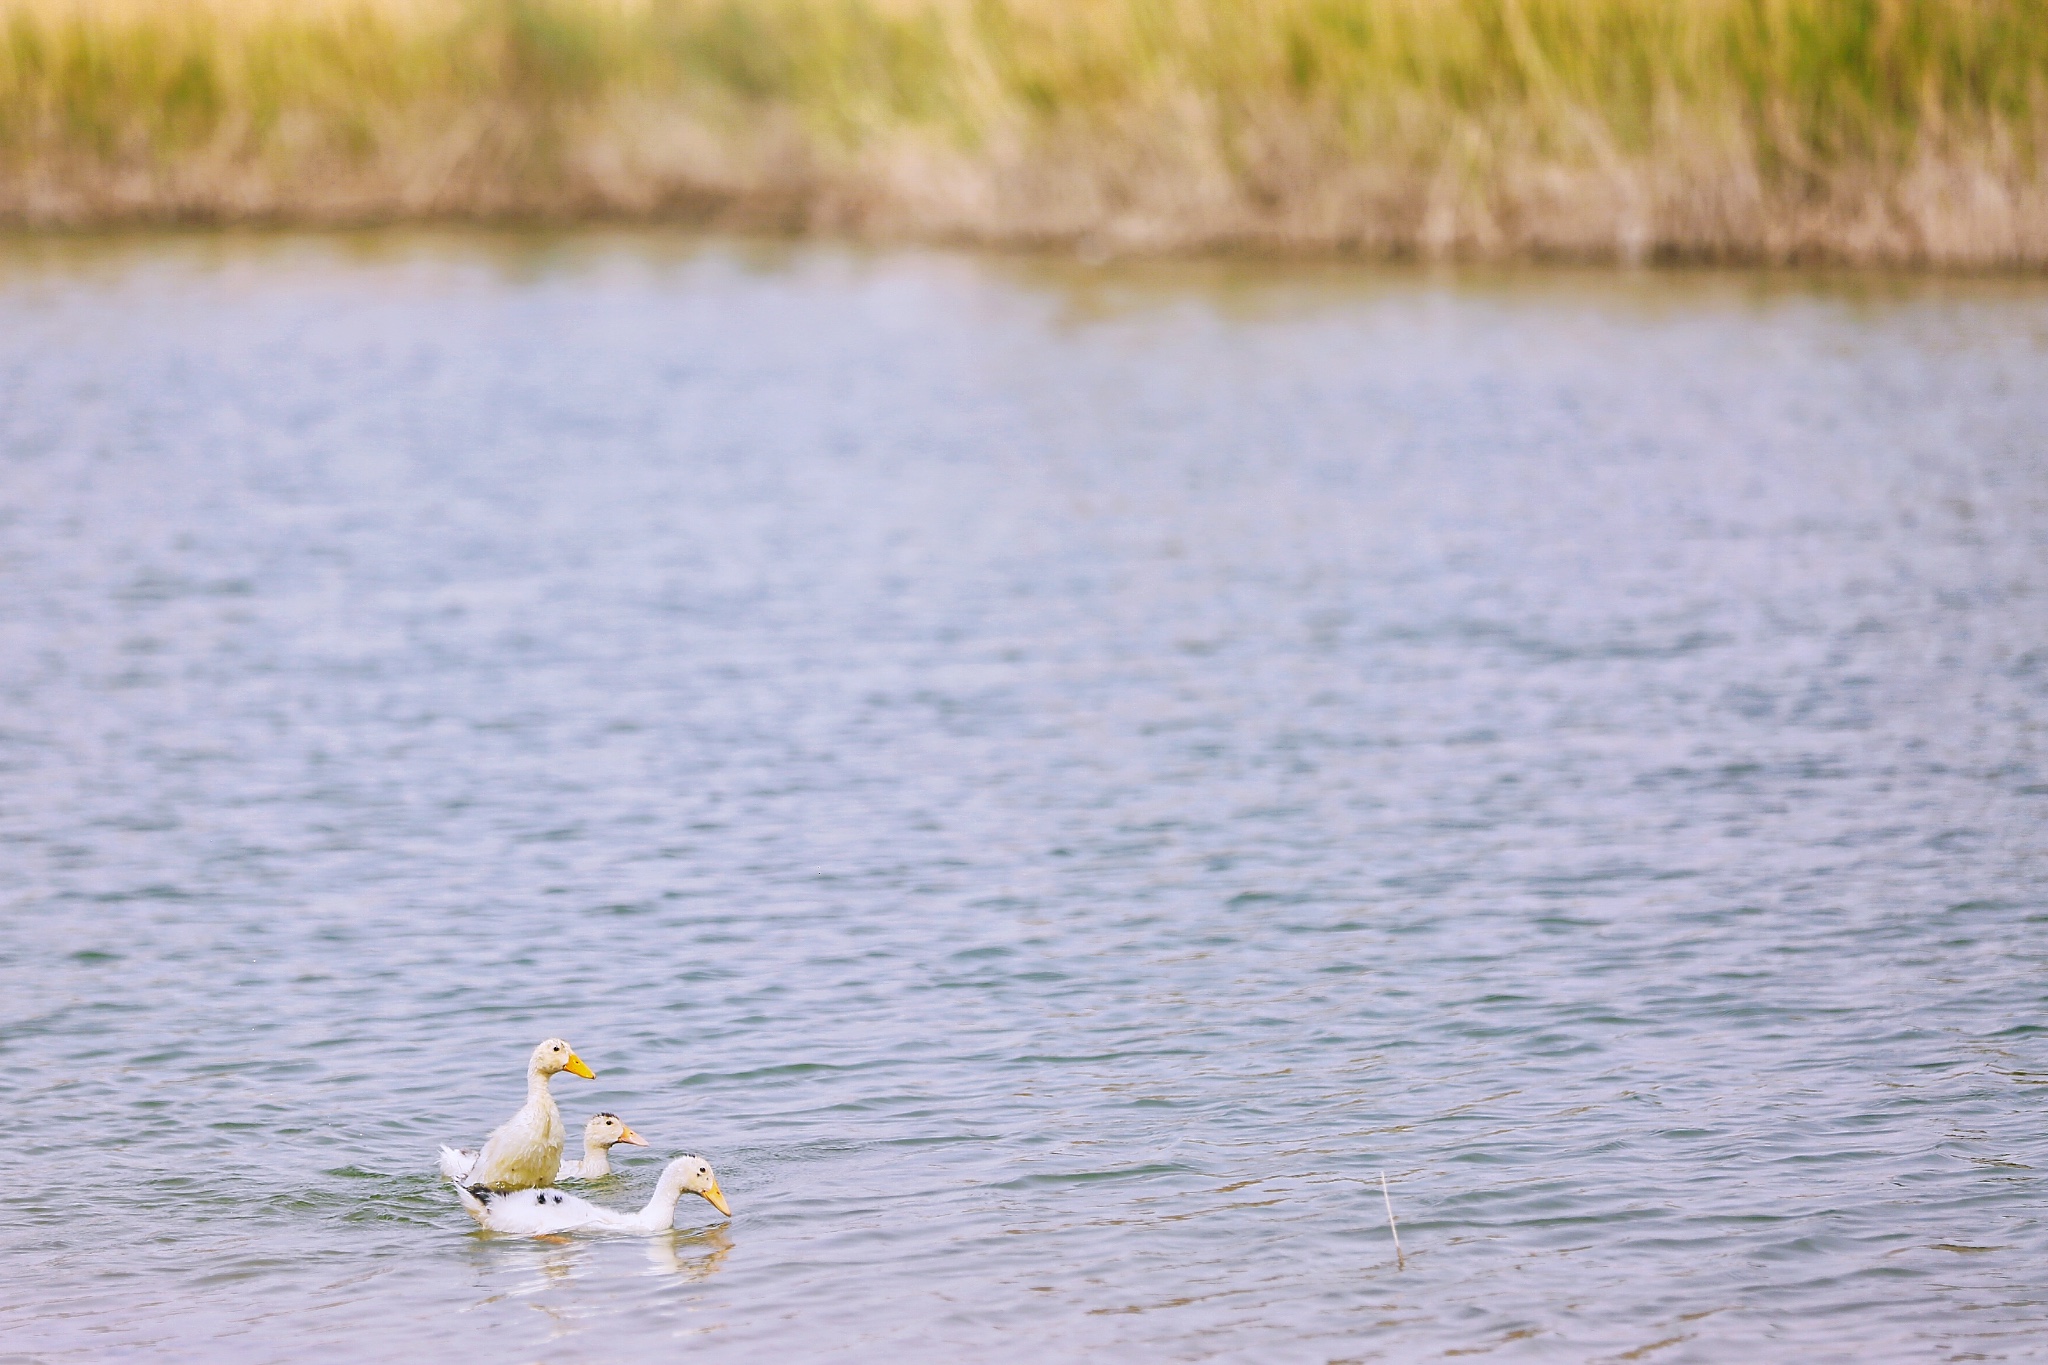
540 1097
596 1161
660 1210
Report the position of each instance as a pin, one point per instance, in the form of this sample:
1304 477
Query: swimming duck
599 1136
526 1149
538 1213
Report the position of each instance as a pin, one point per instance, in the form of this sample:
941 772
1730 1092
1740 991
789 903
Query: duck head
555 1055
692 1175
607 1130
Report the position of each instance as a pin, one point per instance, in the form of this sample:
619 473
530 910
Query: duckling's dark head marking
540 1199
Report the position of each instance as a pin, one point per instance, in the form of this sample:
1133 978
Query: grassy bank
1861 130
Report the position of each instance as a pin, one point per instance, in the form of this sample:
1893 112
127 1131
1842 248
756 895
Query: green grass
1859 129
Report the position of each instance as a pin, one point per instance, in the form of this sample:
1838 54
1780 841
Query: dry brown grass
1893 131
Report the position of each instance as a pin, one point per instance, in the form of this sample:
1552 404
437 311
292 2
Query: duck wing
525 1150
533 1213
457 1163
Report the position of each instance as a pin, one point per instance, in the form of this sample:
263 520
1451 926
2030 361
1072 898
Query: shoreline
1082 254
1371 242
571 245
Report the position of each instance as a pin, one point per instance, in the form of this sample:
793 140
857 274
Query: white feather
457 1162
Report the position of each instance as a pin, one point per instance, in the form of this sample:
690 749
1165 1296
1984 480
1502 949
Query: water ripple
1052 795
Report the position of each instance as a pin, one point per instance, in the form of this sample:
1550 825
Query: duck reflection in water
546 1264
693 1256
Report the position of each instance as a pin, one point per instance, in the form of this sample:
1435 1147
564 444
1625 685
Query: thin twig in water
1400 1260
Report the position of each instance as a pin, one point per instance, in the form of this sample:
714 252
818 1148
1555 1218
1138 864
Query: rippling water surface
1053 779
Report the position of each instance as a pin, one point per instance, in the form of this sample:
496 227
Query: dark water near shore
1053 779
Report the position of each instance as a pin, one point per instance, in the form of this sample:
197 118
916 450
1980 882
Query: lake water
1052 777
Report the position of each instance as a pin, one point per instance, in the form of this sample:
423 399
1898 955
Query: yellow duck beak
716 1198
632 1138
578 1067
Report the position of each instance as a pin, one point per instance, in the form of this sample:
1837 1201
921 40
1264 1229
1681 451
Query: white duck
600 1135
526 1149
537 1213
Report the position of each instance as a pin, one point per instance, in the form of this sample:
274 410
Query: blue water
1052 778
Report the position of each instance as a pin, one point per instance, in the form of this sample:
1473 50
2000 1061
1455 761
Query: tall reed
1864 130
